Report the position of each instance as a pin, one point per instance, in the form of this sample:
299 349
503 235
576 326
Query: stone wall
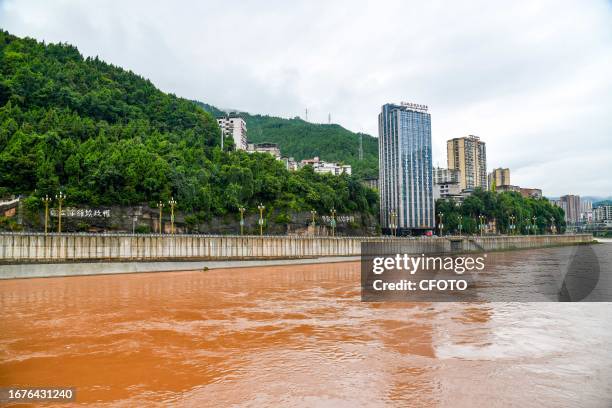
36 247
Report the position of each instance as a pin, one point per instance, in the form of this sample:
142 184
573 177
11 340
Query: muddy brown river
297 336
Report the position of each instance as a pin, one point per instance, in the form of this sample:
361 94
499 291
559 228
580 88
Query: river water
297 336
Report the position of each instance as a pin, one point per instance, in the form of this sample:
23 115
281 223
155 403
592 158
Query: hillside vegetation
301 140
107 136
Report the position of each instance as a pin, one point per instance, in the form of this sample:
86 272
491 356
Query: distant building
499 177
290 163
469 156
586 206
450 191
603 213
531 192
232 125
321 166
371 182
442 175
571 206
508 187
271 148
405 170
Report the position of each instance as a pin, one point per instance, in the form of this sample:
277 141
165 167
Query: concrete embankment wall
41 248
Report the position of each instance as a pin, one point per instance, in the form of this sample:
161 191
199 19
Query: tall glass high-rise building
405 169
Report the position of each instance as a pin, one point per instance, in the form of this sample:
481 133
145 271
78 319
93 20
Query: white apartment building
232 125
320 166
270 148
602 213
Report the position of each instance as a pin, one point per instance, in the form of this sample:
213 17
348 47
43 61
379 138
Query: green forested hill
107 136
301 140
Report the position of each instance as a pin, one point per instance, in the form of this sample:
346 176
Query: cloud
532 78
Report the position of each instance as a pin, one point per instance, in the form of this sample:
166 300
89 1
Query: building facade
571 205
232 125
270 148
469 156
602 213
321 166
499 177
442 175
531 192
405 168
451 191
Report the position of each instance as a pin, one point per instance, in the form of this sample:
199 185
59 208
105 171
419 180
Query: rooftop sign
415 106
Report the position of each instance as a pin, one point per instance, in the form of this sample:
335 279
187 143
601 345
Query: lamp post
242 210
160 205
460 224
172 204
314 214
261 209
60 199
393 224
481 218
552 225
512 218
441 225
333 221
46 200
534 225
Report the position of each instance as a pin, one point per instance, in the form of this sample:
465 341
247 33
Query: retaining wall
35 247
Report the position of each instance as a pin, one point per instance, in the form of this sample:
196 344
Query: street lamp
333 221
393 224
460 224
314 214
481 218
242 210
261 209
172 203
160 205
46 200
60 199
512 218
552 225
440 225
534 225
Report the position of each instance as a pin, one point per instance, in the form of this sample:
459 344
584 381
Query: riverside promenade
40 255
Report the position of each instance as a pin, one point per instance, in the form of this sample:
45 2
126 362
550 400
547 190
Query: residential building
234 126
531 192
442 175
271 148
321 166
405 168
602 213
499 177
571 206
469 156
507 187
586 206
290 163
450 190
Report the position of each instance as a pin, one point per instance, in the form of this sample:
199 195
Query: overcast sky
533 79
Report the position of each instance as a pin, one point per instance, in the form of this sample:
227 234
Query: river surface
298 336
